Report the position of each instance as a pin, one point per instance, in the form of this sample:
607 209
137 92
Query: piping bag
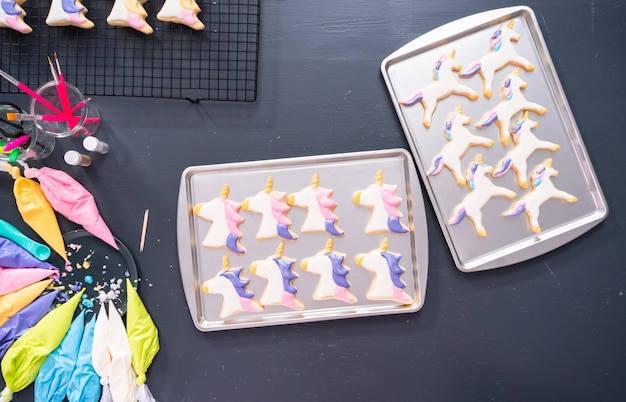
122 377
37 211
100 356
69 198
13 302
84 385
24 320
143 338
10 232
27 354
54 375
14 256
13 279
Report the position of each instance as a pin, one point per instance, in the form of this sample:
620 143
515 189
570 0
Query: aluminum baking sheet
345 174
421 74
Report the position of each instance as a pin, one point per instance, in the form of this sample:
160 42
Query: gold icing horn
379 177
224 191
548 162
280 249
511 24
316 180
225 263
329 246
452 53
479 159
269 184
383 245
459 109
516 72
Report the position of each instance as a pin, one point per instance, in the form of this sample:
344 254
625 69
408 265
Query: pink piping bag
14 256
12 279
69 198
24 319
40 251
100 356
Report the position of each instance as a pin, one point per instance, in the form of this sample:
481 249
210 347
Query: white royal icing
181 12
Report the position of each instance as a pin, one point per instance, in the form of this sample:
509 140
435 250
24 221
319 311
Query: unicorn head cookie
320 208
68 12
332 284
444 84
181 12
382 200
385 266
12 16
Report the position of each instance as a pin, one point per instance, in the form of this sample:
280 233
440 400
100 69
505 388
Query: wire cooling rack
218 63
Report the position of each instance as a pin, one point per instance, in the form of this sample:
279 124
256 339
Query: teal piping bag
41 251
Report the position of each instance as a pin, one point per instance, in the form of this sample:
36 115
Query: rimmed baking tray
509 239
345 174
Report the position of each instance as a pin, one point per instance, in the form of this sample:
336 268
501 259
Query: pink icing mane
279 208
390 200
325 203
233 219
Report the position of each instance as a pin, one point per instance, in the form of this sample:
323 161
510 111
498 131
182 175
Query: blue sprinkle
89 279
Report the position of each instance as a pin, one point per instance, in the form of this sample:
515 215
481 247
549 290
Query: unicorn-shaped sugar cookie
181 12
278 270
229 283
386 268
481 191
272 207
12 16
513 102
459 140
542 190
501 54
68 12
225 220
383 201
130 13
525 144
316 200
328 264
444 84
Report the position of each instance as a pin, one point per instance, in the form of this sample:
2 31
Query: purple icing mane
8 6
284 267
339 271
395 270
239 284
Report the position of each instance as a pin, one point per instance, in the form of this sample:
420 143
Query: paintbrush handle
38 97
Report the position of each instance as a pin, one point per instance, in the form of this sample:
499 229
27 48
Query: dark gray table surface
552 328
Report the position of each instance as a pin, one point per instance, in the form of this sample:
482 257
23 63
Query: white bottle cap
95 145
74 158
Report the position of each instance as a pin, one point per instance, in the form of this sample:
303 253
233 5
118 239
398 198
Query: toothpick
143 230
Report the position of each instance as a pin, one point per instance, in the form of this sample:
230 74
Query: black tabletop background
552 328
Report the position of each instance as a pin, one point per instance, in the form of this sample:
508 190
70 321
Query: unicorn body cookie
513 102
382 200
482 189
278 270
459 140
272 207
386 268
444 84
229 283
181 12
332 284
224 215
542 190
316 200
12 16
501 54
68 12
525 144
130 13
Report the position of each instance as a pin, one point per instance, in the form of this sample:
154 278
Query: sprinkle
88 279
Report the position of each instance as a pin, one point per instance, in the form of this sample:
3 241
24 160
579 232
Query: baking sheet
509 239
345 174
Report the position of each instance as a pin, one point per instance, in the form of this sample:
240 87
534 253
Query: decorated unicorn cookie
278 270
272 207
382 200
316 200
444 84
224 215
328 264
525 144
229 283
68 12
386 268
459 140
513 102
542 190
12 16
481 191
130 13
181 12
501 54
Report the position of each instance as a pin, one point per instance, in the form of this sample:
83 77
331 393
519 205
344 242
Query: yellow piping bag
12 303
